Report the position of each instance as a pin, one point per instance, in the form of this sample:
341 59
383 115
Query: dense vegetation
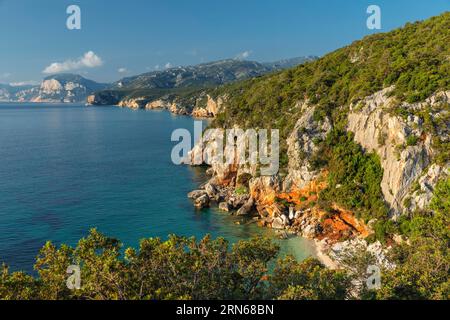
354 179
423 264
182 268
414 59
178 268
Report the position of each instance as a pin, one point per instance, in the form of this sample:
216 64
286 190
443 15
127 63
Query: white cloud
122 70
243 55
89 60
168 65
157 67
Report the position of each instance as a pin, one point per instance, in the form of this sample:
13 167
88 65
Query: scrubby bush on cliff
354 176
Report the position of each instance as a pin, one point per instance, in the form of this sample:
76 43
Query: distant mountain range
204 75
57 88
75 88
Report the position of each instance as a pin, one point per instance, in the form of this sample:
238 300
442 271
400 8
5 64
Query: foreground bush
179 268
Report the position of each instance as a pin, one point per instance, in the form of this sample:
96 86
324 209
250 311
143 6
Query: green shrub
412 140
241 190
358 174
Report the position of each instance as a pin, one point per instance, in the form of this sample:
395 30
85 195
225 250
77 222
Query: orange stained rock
304 196
349 218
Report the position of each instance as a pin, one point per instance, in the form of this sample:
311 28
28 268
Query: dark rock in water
223 206
202 202
196 194
211 191
246 208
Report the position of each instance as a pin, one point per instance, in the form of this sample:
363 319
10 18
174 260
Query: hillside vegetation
415 59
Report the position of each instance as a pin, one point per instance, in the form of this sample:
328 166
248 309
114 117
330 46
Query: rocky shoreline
200 105
306 222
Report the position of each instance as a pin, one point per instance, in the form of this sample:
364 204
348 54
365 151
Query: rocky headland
290 203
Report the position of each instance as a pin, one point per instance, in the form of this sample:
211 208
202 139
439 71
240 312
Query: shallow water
67 168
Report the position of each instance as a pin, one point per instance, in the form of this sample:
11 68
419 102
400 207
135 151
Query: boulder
285 219
196 194
262 211
223 206
202 202
238 201
309 231
246 208
278 223
211 190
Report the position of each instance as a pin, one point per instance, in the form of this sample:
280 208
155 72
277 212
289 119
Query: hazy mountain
177 81
75 88
55 88
9 92
204 75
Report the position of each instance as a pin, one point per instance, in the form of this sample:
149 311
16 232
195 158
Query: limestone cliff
211 109
290 202
199 105
302 145
404 148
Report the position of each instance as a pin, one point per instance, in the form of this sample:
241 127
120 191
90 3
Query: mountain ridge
64 88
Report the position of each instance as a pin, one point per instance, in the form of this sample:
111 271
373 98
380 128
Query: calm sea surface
67 168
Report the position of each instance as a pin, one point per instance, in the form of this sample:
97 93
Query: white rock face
301 146
51 86
71 86
157 104
419 199
212 109
378 131
134 103
349 247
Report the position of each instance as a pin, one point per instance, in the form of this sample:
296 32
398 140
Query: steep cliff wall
404 148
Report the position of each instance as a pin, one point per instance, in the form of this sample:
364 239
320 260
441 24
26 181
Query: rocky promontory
290 203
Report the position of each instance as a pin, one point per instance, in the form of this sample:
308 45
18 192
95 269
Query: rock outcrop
211 109
405 150
302 144
158 104
135 103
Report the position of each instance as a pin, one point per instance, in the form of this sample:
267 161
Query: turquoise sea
67 168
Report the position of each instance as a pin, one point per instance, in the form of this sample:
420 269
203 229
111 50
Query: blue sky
135 36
